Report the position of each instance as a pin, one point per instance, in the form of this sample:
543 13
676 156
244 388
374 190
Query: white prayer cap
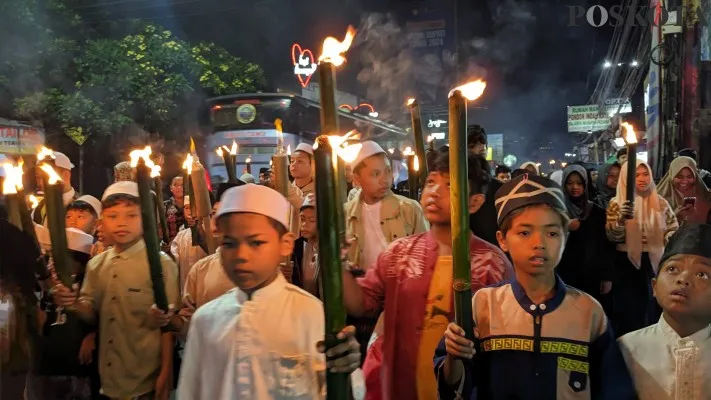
92 201
122 187
79 241
60 161
257 199
370 148
309 201
43 238
247 178
306 148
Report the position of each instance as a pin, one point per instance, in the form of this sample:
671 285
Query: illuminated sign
304 64
246 113
436 123
372 112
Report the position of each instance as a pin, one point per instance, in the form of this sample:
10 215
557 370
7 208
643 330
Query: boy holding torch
135 357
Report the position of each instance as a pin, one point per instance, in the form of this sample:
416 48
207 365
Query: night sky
535 64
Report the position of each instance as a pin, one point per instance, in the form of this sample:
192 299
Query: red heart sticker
304 64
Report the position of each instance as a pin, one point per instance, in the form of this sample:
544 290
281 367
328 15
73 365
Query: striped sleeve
615 231
672 223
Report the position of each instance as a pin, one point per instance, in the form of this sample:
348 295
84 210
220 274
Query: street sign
586 119
77 135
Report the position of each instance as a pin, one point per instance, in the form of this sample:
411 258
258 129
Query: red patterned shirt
399 283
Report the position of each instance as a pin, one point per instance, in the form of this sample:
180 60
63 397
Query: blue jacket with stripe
560 349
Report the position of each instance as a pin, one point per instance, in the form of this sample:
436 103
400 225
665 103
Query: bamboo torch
229 157
53 191
460 201
327 204
280 163
415 116
13 200
188 196
160 205
146 170
413 180
631 141
201 201
248 161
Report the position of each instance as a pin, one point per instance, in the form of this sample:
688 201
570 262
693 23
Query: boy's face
82 220
251 249
503 176
308 223
436 199
121 224
300 166
375 176
535 240
683 286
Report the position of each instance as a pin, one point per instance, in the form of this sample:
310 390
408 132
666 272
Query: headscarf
692 239
670 193
602 174
531 163
578 208
649 220
557 177
124 172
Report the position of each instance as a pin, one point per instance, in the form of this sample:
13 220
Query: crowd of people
579 291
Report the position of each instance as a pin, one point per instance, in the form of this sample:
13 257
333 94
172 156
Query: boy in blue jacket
535 337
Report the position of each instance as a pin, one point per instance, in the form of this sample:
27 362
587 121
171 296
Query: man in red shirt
411 283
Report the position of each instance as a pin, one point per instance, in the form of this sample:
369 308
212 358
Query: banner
587 119
20 139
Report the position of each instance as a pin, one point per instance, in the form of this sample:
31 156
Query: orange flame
51 173
188 163
13 178
248 160
219 152
339 143
472 90
416 164
408 151
332 51
34 201
410 101
630 135
233 150
430 138
145 154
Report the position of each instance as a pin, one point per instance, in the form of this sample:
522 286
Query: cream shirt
258 348
185 254
665 366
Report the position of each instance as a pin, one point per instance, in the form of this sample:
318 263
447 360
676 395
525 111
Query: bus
248 120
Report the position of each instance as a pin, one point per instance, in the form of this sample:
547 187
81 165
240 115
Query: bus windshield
248 113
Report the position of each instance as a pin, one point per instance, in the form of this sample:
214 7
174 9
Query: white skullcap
79 241
306 148
309 201
247 178
370 148
43 238
92 201
122 187
60 161
257 199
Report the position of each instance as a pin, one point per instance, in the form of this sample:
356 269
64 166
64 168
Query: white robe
263 348
665 366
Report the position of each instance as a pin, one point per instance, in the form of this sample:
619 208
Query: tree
222 73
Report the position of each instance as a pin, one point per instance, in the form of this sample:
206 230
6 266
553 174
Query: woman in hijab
684 181
588 256
607 177
641 228
531 167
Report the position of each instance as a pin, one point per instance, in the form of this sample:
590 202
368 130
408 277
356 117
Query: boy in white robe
671 360
259 340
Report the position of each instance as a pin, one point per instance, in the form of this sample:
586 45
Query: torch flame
472 90
219 152
630 135
188 163
430 138
332 51
350 152
44 153
248 160
233 150
408 151
391 150
288 150
51 173
192 145
339 143
416 164
145 154
13 178
410 101
34 202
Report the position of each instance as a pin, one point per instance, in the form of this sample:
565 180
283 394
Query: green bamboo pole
413 180
459 189
143 179
54 202
12 204
329 258
188 188
416 117
26 218
201 202
158 183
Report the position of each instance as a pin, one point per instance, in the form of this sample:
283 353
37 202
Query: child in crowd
83 214
556 338
672 358
66 354
411 282
305 257
259 340
135 357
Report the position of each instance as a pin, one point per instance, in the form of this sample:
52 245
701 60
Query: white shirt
374 240
185 254
263 348
665 366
